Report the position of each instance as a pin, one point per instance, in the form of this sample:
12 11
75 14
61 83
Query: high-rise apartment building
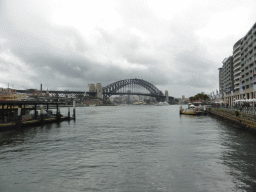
237 70
220 79
236 66
227 75
248 56
226 78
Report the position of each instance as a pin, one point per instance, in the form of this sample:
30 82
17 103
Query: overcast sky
176 45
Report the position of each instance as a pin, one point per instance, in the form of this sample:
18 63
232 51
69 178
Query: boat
191 110
159 104
138 103
162 104
165 103
9 97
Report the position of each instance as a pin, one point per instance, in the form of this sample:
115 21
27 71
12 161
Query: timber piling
21 114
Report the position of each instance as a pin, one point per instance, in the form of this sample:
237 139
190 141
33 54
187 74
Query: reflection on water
129 148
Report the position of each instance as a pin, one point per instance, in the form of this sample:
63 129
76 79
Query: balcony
236 70
236 73
236 58
237 81
236 88
237 62
237 47
237 76
236 54
249 42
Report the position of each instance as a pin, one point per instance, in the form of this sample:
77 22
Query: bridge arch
112 88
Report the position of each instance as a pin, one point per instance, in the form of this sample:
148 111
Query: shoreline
243 121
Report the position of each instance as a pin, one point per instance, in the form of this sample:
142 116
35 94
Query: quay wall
240 120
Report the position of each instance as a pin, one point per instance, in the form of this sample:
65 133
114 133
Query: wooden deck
12 112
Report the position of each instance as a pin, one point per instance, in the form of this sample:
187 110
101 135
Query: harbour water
129 148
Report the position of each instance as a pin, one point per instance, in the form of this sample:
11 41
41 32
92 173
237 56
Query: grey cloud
4 67
194 71
191 61
58 55
67 67
129 46
61 58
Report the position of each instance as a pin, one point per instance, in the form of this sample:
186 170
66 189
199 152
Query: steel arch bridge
114 89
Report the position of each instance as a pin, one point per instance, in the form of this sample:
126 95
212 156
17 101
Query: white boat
159 104
165 103
162 104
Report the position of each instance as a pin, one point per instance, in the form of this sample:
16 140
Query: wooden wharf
17 114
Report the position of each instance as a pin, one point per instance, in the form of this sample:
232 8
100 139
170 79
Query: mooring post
58 112
42 114
8 114
35 112
2 113
74 109
68 111
18 120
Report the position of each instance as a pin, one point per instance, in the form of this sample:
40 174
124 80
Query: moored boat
191 110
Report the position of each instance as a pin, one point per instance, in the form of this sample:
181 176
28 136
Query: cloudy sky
176 45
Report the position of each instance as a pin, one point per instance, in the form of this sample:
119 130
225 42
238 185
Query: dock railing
243 109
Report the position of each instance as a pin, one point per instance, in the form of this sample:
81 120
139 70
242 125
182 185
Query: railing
242 108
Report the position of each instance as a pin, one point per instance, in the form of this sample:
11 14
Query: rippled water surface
129 148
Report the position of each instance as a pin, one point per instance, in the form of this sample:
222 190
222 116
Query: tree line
199 96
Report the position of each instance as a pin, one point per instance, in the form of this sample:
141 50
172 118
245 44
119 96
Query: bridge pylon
95 91
99 90
166 96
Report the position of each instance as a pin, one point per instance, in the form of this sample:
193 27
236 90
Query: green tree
200 96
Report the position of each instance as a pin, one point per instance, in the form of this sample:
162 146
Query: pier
21 114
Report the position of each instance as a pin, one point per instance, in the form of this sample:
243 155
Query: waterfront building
237 67
236 74
136 97
32 92
248 58
227 79
220 79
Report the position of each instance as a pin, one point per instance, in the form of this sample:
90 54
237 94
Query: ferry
193 110
9 97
